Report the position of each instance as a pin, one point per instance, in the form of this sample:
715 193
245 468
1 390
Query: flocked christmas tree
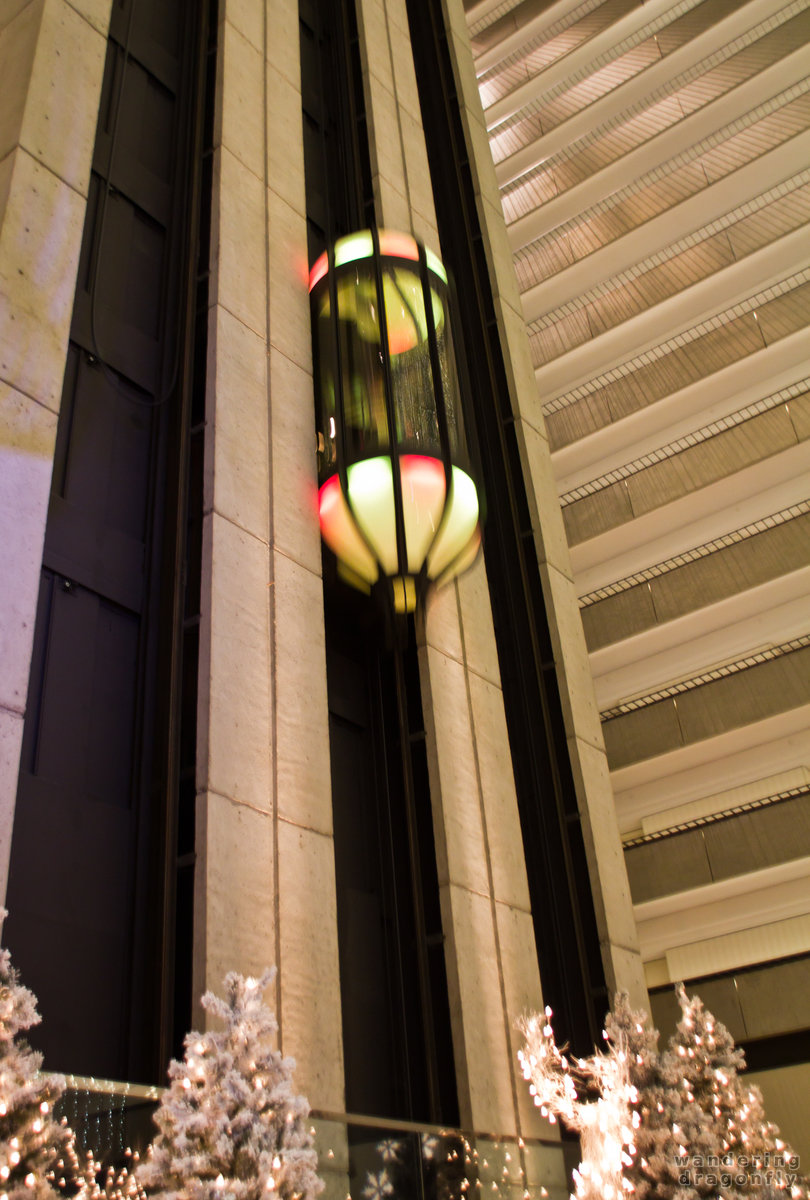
116 1183
668 1125
677 1124
230 1125
35 1149
754 1158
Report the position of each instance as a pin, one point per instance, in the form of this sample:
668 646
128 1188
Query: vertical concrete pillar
489 943
491 958
265 885
608 875
51 65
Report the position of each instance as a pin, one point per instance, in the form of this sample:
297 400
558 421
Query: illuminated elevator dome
397 502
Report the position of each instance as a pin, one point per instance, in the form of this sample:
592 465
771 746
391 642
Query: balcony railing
360 1158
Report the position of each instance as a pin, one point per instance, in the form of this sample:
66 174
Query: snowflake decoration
379 1186
430 1146
389 1150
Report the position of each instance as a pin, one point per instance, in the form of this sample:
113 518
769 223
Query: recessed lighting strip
764 802
728 219
723 672
668 89
685 338
685 443
696 553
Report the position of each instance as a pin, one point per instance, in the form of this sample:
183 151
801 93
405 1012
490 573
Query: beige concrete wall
617 929
489 940
491 958
51 62
265 890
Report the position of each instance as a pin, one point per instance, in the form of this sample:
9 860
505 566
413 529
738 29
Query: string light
604 1124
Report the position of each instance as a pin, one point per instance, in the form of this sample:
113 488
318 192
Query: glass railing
366 1159
360 1158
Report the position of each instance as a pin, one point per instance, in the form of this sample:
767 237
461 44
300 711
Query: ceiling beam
779 366
583 55
705 639
742 186
722 507
742 902
735 285
625 96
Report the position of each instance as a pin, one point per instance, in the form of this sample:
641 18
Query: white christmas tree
113 1184
753 1157
231 1126
678 1124
668 1125
35 1149
593 1097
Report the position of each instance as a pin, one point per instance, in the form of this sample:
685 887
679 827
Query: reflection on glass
459 525
362 372
357 1158
381 327
341 535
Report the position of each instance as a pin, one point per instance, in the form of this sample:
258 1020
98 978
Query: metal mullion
392 944
388 392
423 966
182 372
340 423
439 399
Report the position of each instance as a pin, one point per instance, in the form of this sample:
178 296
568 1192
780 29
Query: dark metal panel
398 1049
142 165
119 317
83 738
91 891
104 446
156 38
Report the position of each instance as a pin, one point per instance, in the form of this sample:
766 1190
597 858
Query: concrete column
51 63
265 885
489 936
617 931
489 941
